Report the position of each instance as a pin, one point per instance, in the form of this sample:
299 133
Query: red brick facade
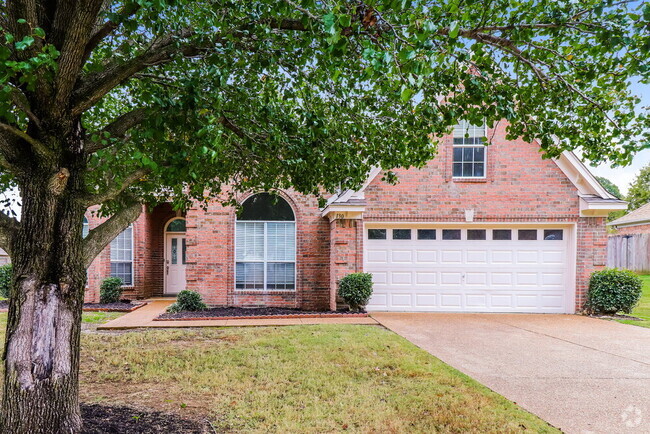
632 230
520 187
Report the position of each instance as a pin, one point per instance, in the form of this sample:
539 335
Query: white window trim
265 261
132 261
473 145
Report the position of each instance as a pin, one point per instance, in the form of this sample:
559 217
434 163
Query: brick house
480 229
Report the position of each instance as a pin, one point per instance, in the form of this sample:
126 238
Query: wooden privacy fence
629 251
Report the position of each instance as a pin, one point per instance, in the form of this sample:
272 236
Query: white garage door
499 269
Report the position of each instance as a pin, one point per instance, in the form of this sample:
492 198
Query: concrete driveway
580 374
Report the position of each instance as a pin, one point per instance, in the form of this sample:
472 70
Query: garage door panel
401 256
426 256
477 257
469 275
425 278
400 278
377 256
451 257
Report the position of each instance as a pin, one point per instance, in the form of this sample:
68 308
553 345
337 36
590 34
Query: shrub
356 289
5 280
187 301
110 290
612 290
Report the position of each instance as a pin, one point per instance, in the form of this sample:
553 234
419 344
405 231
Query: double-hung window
469 151
265 245
122 256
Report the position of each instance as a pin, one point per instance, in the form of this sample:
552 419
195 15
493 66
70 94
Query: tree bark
43 330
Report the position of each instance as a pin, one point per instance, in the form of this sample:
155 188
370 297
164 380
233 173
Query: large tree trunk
41 378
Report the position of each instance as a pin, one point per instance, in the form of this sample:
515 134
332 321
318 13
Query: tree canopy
639 191
610 186
184 96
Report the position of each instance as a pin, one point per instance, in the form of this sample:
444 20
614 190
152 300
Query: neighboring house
4 258
629 244
478 229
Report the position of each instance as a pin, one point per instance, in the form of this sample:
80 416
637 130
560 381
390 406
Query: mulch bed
254 313
120 306
103 419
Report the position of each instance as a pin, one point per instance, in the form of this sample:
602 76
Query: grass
643 308
100 317
293 379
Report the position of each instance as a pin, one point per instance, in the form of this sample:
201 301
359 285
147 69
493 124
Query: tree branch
116 189
108 28
38 146
118 128
163 50
103 234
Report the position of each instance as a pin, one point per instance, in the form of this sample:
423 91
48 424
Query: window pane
250 241
280 276
478 169
527 234
479 153
376 234
121 246
451 234
174 251
265 206
553 234
401 234
468 154
501 234
468 170
476 234
426 234
124 271
280 242
458 169
177 225
184 252
249 275
458 154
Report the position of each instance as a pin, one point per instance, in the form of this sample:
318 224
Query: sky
623 176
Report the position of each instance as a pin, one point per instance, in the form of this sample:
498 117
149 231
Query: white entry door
175 259
459 269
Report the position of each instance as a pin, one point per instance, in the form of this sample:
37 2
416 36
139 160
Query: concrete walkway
580 374
144 317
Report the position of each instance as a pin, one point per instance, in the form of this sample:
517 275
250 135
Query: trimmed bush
356 289
5 280
187 301
612 290
110 291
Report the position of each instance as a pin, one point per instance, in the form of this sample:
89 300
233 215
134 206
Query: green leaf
454 28
406 94
39 32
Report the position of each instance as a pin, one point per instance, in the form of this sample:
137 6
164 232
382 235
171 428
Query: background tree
609 186
123 102
639 191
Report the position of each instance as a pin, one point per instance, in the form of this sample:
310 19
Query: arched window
265 245
85 229
176 225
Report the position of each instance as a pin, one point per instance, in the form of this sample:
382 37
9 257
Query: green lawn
293 379
643 308
100 317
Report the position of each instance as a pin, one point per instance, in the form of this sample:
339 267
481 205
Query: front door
175 260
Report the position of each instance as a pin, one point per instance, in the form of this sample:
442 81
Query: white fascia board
580 176
630 224
600 209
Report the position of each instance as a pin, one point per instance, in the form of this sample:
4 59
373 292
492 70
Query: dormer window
469 151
